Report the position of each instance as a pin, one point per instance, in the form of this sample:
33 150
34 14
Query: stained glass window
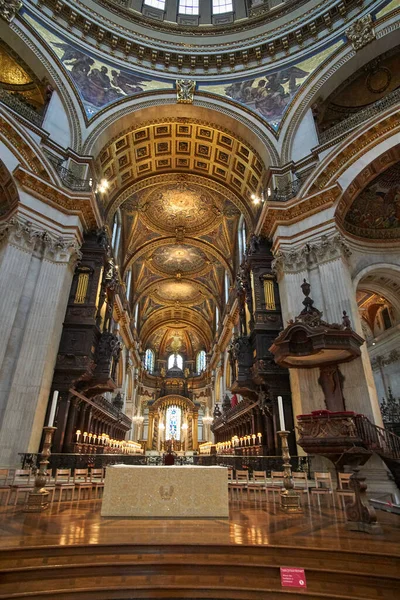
171 361
149 360
174 418
201 361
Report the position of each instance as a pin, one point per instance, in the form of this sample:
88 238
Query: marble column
36 269
325 264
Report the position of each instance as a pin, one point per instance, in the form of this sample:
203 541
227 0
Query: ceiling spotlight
256 199
102 186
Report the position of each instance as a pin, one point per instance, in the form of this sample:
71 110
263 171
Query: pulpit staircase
382 442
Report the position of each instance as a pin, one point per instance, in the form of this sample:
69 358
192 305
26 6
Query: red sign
292 577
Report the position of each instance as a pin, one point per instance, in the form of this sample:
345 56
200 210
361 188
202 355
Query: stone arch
9 196
380 164
340 65
22 37
115 119
229 194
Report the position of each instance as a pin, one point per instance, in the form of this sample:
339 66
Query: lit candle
53 409
84 437
78 434
90 437
241 441
254 438
259 437
94 438
281 415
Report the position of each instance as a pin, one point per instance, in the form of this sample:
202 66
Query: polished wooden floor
249 523
70 552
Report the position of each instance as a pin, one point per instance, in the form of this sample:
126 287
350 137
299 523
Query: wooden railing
379 440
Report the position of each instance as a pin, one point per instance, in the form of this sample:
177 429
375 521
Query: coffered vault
180 189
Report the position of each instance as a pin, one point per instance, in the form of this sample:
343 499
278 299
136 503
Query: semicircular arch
338 67
173 400
216 111
198 285
168 316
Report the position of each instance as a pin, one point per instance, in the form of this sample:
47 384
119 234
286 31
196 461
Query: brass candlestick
290 500
38 498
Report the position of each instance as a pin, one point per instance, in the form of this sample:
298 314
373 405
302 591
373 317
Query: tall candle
281 415
53 409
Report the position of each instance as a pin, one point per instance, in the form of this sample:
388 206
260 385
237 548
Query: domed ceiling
179 258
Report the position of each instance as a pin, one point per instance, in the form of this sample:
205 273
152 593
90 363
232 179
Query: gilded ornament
185 89
9 8
361 32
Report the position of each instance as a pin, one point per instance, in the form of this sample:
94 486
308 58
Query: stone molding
385 360
30 238
310 255
176 57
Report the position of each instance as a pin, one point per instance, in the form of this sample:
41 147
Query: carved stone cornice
9 8
385 360
361 32
33 239
295 261
286 213
83 204
293 36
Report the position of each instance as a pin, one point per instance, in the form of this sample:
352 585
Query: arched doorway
173 423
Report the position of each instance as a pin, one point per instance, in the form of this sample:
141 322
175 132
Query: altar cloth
173 491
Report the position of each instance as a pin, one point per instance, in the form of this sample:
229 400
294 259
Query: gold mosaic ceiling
180 227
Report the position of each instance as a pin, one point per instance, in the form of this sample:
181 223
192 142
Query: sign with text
292 577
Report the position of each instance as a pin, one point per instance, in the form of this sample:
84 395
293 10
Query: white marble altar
166 491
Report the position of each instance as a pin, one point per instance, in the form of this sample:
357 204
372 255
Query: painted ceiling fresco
100 83
270 94
179 283
375 213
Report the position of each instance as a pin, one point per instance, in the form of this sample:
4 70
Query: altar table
175 491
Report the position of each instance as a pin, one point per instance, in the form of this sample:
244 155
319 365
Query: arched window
116 232
226 287
136 315
216 317
173 423
221 6
128 281
242 237
156 3
149 360
201 361
172 362
188 7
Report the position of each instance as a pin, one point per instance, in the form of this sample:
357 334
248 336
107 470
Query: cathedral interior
200 258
